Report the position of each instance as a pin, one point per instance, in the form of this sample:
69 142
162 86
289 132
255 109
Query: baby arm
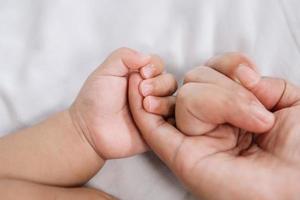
33 191
70 147
51 152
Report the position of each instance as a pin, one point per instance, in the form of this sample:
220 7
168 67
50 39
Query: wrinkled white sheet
47 49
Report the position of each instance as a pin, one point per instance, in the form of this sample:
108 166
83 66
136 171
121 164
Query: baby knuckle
123 51
189 76
238 55
203 69
230 99
242 56
197 73
171 81
240 93
184 93
158 59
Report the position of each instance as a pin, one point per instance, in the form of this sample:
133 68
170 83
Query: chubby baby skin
70 147
236 134
101 111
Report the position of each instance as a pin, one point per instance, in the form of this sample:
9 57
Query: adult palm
224 159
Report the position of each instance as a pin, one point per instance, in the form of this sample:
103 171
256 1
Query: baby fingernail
152 104
261 113
247 76
146 88
148 71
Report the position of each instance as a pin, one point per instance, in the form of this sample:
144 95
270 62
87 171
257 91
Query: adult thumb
162 137
273 93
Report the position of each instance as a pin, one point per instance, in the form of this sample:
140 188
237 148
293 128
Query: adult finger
273 93
226 63
162 137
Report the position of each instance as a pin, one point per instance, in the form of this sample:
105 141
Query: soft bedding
48 48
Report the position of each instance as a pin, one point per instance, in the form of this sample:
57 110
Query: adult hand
237 152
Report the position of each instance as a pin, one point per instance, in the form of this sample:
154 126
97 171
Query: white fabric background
48 48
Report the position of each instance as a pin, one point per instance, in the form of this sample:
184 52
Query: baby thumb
122 61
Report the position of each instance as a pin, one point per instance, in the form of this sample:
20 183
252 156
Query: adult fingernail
247 76
146 88
261 113
148 71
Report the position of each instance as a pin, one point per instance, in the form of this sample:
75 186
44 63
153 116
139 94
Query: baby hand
158 91
101 112
209 99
